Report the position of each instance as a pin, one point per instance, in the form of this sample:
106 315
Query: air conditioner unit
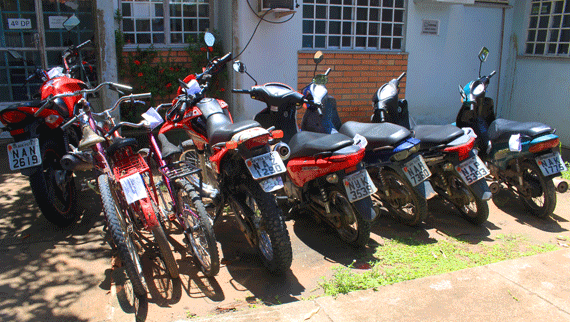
276 4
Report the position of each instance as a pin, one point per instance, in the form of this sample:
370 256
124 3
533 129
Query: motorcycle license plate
359 185
271 184
472 170
551 163
416 170
24 154
265 165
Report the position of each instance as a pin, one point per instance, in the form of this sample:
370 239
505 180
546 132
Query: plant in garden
405 259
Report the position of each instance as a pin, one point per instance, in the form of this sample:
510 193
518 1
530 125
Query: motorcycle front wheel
260 210
57 202
402 200
350 226
538 192
127 251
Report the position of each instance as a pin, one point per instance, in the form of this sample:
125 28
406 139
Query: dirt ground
51 274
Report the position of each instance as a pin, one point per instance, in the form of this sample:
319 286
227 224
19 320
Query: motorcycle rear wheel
352 228
476 210
57 204
409 207
541 196
121 237
198 228
265 219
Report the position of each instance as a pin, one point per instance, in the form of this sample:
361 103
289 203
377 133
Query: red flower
171 69
137 62
177 69
168 85
211 49
203 49
222 89
161 71
140 74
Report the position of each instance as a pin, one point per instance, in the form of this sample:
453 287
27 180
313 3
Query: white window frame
354 38
550 32
167 32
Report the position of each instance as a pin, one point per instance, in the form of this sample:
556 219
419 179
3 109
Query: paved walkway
535 288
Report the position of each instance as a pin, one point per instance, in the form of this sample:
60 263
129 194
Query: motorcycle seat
377 134
434 135
501 129
168 149
120 143
306 143
221 129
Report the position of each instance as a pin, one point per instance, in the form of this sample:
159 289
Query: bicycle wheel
197 228
121 238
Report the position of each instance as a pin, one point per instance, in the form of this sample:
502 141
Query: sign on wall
430 27
19 23
56 22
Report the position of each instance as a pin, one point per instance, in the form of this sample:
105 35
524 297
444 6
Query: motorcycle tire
477 210
59 206
266 221
410 208
165 250
122 240
198 228
542 199
352 228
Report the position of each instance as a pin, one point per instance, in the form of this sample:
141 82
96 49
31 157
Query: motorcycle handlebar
83 44
241 91
401 76
216 66
492 74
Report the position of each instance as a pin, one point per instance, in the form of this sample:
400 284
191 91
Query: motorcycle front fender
365 208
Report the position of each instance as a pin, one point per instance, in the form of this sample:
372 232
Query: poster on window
56 22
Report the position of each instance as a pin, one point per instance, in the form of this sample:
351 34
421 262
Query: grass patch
406 259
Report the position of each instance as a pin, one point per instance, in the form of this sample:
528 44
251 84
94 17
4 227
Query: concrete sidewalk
525 289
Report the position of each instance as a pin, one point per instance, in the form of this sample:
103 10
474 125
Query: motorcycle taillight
257 141
544 145
462 150
13 116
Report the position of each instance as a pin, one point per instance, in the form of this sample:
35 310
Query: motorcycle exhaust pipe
71 162
561 185
283 150
494 187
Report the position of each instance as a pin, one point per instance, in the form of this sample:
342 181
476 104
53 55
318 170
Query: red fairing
303 170
216 159
61 85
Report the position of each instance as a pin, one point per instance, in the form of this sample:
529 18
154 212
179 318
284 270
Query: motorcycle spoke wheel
266 222
539 193
351 227
473 209
198 229
405 203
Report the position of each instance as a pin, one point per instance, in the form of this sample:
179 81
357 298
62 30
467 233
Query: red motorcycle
324 171
40 142
237 165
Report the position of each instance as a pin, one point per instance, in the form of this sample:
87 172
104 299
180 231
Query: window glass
548 32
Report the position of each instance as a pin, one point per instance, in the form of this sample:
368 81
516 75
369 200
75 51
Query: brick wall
354 78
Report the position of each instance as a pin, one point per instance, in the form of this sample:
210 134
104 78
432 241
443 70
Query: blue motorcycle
391 158
521 157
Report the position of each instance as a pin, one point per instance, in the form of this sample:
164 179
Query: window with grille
354 24
549 28
163 21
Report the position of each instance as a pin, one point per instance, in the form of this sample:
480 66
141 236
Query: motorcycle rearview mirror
240 68
71 22
317 59
320 79
483 53
15 55
209 39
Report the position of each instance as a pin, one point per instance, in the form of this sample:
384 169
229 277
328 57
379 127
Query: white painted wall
437 65
540 89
